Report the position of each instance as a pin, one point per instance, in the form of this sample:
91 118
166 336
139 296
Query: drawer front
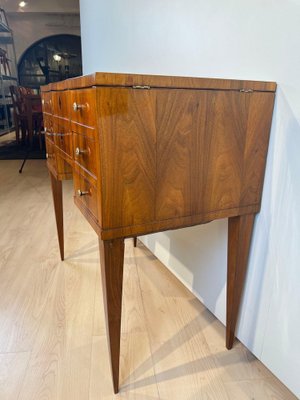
63 167
85 153
61 104
48 123
50 136
83 106
85 193
63 136
47 102
83 130
50 155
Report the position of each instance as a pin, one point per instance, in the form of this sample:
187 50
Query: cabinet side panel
127 135
180 115
225 138
256 147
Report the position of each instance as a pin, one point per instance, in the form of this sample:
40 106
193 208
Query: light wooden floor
52 333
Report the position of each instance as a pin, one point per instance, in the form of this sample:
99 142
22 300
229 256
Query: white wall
260 40
31 27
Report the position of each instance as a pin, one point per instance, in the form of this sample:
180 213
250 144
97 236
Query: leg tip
116 388
229 342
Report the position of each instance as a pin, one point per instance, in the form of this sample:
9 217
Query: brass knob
79 151
77 106
43 101
47 156
81 193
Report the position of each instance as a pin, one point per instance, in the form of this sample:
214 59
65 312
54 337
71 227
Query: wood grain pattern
47 104
48 121
112 79
174 223
239 239
85 101
223 149
60 104
87 155
89 193
187 155
51 155
62 136
201 140
256 145
58 209
111 260
175 153
128 159
48 347
12 371
178 173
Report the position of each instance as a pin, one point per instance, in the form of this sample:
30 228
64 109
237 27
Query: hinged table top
158 81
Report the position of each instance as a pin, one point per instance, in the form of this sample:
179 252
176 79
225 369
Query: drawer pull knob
81 193
79 151
47 156
77 107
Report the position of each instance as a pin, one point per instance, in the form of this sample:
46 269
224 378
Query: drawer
50 136
83 130
48 123
50 155
47 102
61 104
85 193
83 106
85 153
63 136
64 169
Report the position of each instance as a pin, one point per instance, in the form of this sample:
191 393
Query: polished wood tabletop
151 153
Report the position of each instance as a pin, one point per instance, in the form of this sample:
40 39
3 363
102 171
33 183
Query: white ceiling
48 6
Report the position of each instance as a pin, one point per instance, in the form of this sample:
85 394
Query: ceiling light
22 4
57 57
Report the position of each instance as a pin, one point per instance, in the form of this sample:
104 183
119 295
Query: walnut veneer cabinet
152 153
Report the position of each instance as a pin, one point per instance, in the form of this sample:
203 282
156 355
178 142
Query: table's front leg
239 239
56 186
112 262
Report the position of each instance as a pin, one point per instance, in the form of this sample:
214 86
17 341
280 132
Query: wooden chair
18 112
27 111
34 116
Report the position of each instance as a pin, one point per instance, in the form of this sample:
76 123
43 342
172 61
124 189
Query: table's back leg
239 239
58 208
112 261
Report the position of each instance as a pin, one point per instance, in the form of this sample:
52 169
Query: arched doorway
50 59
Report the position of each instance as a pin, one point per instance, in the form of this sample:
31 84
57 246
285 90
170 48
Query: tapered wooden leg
134 241
239 238
112 261
58 208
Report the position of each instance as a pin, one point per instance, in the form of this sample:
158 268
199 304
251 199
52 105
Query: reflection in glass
50 60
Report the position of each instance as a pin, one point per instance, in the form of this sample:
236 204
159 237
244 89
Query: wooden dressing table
152 153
